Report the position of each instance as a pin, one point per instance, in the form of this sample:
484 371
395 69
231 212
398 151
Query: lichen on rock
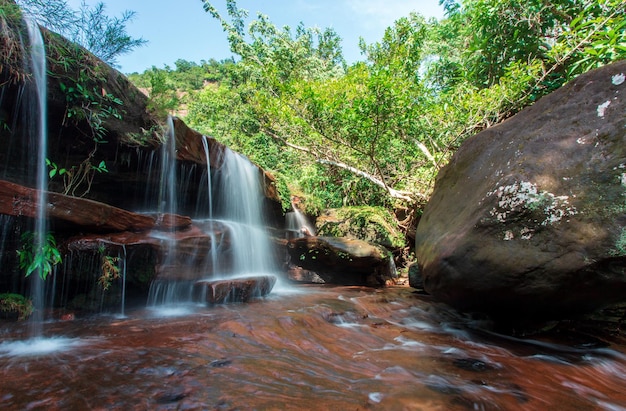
529 216
518 197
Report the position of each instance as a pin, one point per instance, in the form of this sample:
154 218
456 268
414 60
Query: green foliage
322 189
89 26
11 25
76 175
170 88
163 98
80 76
284 193
378 131
373 224
54 169
594 37
89 107
16 303
86 103
482 39
40 258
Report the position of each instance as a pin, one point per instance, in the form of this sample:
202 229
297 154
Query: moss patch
620 245
15 304
372 224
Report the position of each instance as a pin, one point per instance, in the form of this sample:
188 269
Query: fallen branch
403 195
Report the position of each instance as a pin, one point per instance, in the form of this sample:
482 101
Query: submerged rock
528 218
234 290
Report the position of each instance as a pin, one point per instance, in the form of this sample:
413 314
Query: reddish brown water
342 348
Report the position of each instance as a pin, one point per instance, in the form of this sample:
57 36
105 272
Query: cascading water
165 290
238 206
297 224
167 190
36 132
237 244
39 142
207 155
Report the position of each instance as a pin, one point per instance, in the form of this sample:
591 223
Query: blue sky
183 30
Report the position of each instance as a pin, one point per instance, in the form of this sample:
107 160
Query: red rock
17 200
235 289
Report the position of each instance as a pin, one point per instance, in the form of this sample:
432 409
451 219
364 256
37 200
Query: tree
91 27
308 101
482 41
394 119
490 58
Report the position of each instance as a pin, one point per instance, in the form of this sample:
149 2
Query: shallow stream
312 348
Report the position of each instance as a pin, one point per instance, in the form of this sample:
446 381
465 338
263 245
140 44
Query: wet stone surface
312 347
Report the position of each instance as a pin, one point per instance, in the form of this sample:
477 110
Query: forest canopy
377 131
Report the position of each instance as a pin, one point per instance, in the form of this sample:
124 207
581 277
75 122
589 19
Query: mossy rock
340 260
415 277
15 306
372 224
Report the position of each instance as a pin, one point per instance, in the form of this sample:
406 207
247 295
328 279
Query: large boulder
336 260
528 218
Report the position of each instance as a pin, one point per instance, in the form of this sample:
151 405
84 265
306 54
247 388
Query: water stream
314 348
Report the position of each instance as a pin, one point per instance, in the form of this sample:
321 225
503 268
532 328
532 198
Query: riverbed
304 348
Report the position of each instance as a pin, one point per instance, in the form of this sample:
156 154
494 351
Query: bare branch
403 195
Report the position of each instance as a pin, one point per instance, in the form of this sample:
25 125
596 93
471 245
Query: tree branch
403 195
287 143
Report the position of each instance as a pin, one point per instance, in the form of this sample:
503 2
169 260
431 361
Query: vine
86 103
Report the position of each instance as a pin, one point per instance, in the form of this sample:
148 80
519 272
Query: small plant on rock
41 258
15 303
110 271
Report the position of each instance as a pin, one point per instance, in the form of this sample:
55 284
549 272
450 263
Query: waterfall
239 207
38 141
297 225
238 243
205 145
167 291
167 188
